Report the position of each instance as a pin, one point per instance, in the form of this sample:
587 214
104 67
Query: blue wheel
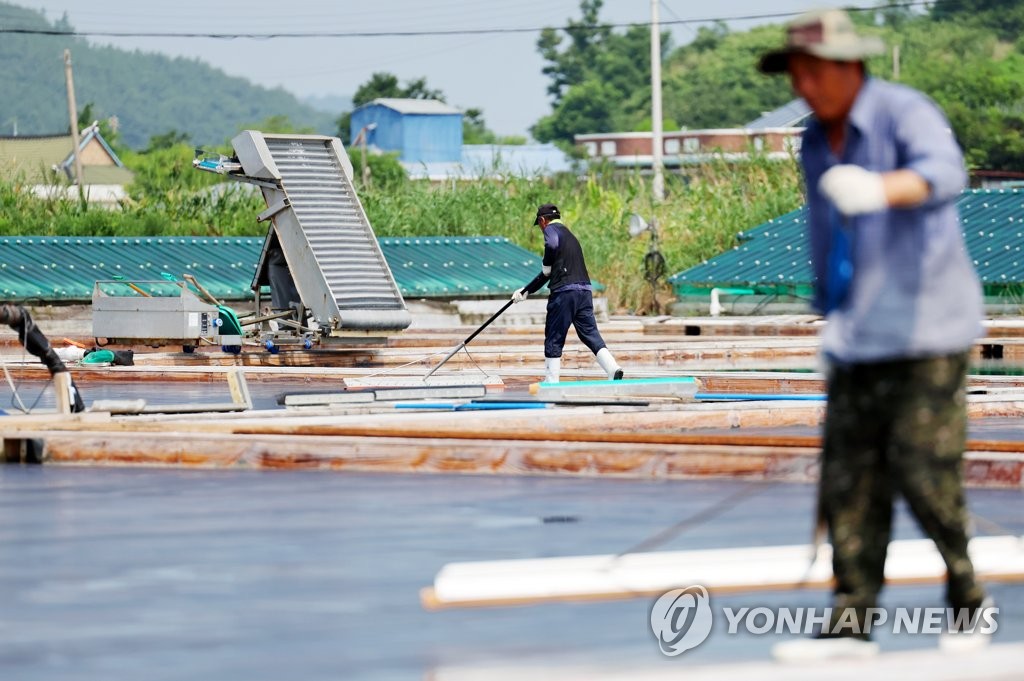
231 349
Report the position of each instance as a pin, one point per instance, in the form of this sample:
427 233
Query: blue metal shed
420 130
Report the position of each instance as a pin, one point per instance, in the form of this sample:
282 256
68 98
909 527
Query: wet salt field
113 573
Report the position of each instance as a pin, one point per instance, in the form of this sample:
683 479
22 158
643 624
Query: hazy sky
499 73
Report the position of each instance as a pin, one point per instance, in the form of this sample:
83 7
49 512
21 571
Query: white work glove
520 295
853 190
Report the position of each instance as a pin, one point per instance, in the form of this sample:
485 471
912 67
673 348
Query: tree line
966 54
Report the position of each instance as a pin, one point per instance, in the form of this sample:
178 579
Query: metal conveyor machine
320 255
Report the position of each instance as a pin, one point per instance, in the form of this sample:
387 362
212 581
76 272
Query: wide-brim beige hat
828 34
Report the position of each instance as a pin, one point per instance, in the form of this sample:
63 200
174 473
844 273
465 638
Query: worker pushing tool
571 301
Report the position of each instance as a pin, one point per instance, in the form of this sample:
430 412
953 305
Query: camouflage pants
892 428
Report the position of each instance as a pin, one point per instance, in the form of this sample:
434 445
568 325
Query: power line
407 34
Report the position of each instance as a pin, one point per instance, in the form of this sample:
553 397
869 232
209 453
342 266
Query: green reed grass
700 217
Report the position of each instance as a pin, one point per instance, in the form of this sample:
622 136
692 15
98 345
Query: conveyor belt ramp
332 253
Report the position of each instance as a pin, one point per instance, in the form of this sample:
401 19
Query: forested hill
150 94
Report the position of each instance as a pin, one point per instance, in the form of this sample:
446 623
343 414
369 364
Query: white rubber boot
552 367
608 363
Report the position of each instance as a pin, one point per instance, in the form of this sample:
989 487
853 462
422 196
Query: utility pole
657 143
360 139
73 115
366 161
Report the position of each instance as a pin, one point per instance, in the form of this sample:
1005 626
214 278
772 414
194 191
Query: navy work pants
570 307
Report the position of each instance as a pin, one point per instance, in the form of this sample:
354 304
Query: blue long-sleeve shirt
914 291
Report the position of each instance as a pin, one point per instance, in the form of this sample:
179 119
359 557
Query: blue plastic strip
483 406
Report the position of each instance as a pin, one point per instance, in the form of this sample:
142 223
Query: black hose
19 319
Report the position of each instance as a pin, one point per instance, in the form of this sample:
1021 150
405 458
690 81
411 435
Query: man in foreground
903 305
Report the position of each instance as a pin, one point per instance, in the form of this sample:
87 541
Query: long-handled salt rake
468 339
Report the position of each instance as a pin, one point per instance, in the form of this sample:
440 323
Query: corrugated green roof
65 268
775 255
449 267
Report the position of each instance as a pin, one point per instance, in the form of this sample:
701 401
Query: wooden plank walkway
576 441
653 441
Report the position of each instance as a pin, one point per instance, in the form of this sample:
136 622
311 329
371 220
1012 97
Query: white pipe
716 303
656 131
